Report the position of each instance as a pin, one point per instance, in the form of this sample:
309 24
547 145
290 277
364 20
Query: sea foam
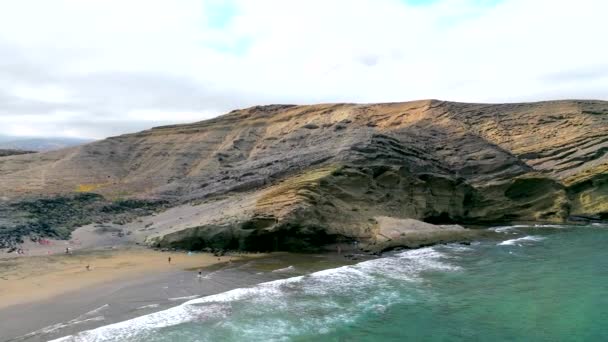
91 316
374 284
521 239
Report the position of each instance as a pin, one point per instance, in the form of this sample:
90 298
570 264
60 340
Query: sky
98 68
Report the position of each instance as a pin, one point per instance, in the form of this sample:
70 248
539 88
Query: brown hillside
334 168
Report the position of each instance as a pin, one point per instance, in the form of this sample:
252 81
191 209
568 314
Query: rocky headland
286 177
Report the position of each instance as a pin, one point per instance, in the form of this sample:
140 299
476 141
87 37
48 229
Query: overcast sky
96 68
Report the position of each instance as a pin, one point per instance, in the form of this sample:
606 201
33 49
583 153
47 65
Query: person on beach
169 260
88 267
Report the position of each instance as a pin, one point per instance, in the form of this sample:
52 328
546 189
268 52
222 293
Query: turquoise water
539 284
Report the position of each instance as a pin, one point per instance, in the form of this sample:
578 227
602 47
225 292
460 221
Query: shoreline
32 278
59 297
56 289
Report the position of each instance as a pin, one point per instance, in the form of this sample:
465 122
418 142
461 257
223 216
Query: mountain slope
293 170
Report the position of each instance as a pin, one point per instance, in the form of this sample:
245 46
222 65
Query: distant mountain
39 144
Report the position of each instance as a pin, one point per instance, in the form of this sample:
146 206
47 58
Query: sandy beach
46 297
55 289
30 279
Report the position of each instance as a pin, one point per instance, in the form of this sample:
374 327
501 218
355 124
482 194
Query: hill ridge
433 160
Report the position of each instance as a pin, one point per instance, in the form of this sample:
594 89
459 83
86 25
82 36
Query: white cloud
44 93
130 64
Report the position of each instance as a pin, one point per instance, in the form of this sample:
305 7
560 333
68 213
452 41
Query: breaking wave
318 300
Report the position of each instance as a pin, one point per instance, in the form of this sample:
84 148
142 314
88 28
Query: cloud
104 67
582 74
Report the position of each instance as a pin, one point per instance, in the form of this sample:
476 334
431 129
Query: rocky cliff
284 176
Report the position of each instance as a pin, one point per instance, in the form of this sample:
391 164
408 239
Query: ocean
540 283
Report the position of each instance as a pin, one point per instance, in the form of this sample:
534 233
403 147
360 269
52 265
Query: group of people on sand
200 271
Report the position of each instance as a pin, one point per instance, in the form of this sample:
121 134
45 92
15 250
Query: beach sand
40 291
34 278
47 297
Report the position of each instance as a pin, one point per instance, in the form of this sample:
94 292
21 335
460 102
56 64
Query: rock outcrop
409 233
288 177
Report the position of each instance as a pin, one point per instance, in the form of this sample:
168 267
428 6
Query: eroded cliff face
292 176
588 193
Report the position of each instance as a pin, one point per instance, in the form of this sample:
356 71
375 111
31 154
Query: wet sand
43 298
37 292
29 279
